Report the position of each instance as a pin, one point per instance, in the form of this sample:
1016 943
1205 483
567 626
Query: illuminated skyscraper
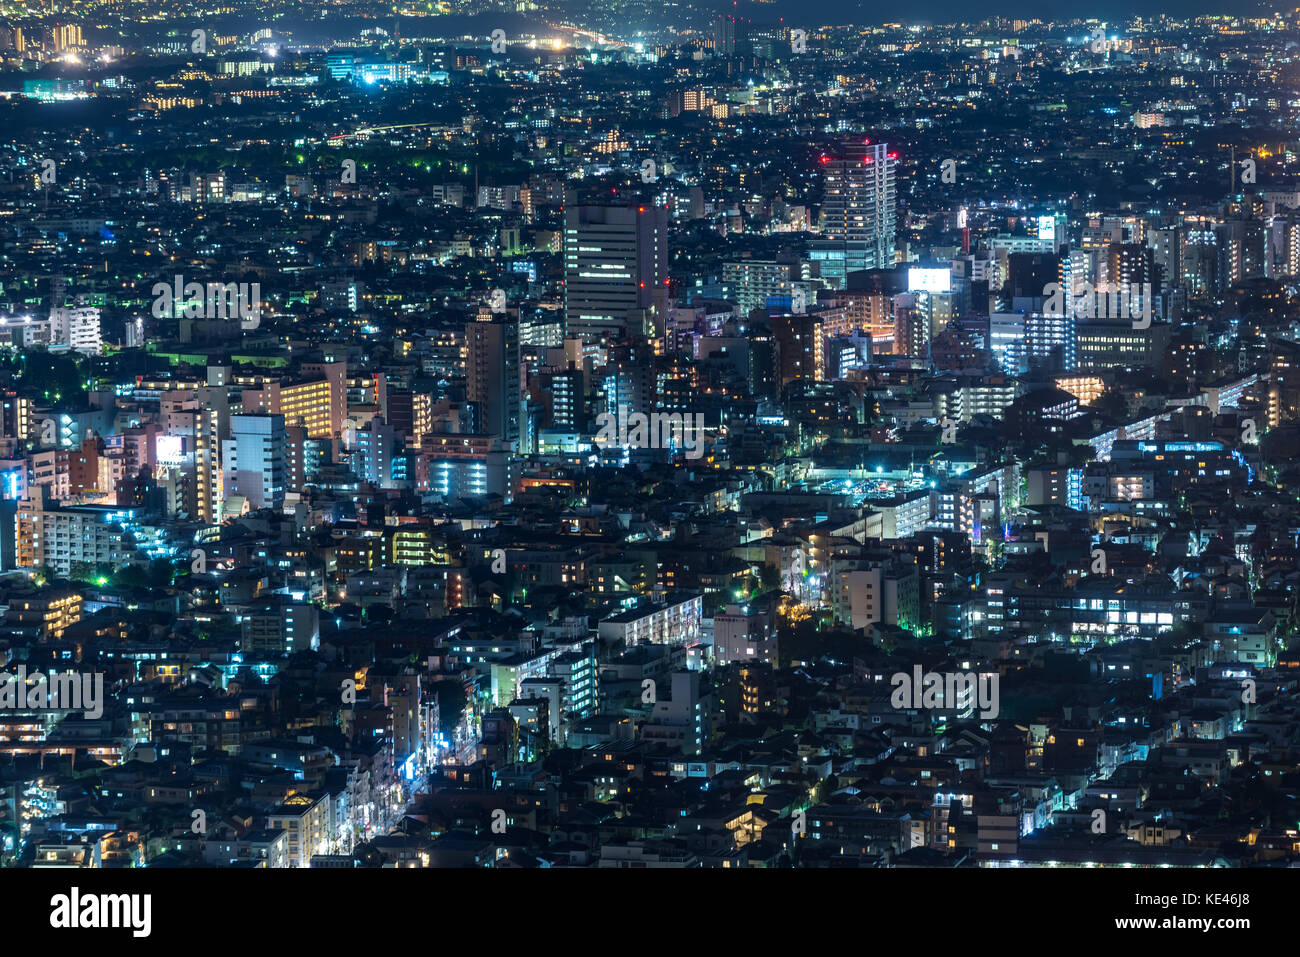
858 210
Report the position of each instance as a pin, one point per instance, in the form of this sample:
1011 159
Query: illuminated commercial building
463 465
253 459
1102 344
615 270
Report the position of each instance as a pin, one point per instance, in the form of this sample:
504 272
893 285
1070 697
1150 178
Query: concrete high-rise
253 459
494 376
800 348
858 210
615 271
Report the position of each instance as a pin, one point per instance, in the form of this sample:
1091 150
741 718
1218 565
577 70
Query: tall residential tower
858 210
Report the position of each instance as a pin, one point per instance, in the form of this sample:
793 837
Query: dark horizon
955 11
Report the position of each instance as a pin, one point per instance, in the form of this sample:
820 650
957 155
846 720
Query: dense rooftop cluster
637 436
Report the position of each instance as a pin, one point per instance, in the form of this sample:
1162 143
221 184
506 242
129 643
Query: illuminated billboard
929 279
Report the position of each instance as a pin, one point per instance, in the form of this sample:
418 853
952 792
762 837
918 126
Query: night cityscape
535 435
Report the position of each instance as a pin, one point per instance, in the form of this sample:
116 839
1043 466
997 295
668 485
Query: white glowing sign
929 279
